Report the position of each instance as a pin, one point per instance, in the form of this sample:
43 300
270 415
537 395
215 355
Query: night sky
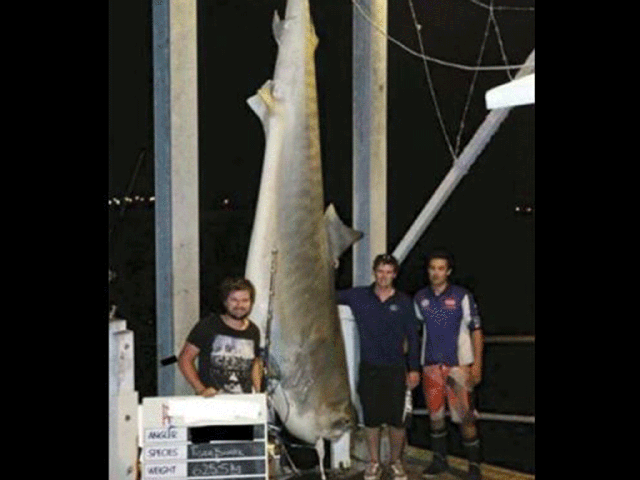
492 242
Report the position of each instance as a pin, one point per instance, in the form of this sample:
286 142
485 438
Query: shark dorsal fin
262 102
277 26
341 237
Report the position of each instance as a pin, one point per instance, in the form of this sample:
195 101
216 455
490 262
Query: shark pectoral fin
313 38
341 237
262 102
277 26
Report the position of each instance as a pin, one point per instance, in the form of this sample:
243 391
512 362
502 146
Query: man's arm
475 373
186 364
412 346
257 371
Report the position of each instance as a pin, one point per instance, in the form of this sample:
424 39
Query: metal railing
510 339
500 417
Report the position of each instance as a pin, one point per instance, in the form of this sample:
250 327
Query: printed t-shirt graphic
231 359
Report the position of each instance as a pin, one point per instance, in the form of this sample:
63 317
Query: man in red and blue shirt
452 345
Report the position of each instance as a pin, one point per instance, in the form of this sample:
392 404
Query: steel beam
369 138
175 100
459 169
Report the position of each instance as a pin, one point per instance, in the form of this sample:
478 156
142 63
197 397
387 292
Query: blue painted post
176 182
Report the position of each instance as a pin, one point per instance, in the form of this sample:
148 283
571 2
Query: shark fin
313 38
262 102
341 237
277 25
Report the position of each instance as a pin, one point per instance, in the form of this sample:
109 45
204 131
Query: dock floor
416 460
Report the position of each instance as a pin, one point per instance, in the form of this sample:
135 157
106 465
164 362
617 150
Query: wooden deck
416 460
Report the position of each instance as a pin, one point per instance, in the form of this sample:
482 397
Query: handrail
497 339
490 416
510 339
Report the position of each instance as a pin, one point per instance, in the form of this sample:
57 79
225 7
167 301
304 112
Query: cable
141 156
491 19
429 81
432 59
521 9
492 16
471 87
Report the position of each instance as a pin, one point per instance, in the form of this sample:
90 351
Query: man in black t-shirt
227 346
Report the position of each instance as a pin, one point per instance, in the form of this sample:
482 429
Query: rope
471 87
521 9
129 190
491 19
272 288
492 16
429 81
432 59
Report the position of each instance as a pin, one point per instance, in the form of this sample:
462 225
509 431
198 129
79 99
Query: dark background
493 243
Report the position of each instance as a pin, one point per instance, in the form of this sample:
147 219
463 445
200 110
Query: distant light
524 209
152 199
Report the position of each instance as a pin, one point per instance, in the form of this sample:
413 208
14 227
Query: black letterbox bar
211 433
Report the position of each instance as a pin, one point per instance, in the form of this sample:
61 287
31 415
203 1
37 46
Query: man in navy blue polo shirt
452 345
385 318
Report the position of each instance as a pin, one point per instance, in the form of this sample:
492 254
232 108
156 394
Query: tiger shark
294 246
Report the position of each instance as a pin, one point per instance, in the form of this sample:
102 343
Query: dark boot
439 447
472 449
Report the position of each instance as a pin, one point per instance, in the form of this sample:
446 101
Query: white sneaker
373 471
397 470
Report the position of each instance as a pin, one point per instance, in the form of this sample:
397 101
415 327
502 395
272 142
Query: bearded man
227 346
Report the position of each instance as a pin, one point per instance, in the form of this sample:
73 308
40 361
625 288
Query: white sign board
205 438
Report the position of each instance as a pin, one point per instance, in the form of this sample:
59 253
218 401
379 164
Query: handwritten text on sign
204 469
205 451
215 468
227 450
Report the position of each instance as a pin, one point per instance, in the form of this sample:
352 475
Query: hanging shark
294 245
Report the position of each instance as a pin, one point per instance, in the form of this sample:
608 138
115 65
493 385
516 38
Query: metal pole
123 403
460 167
176 182
500 417
510 339
369 138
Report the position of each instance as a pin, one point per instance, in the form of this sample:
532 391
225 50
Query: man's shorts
382 391
440 381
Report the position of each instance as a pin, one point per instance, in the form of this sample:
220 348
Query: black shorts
382 394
